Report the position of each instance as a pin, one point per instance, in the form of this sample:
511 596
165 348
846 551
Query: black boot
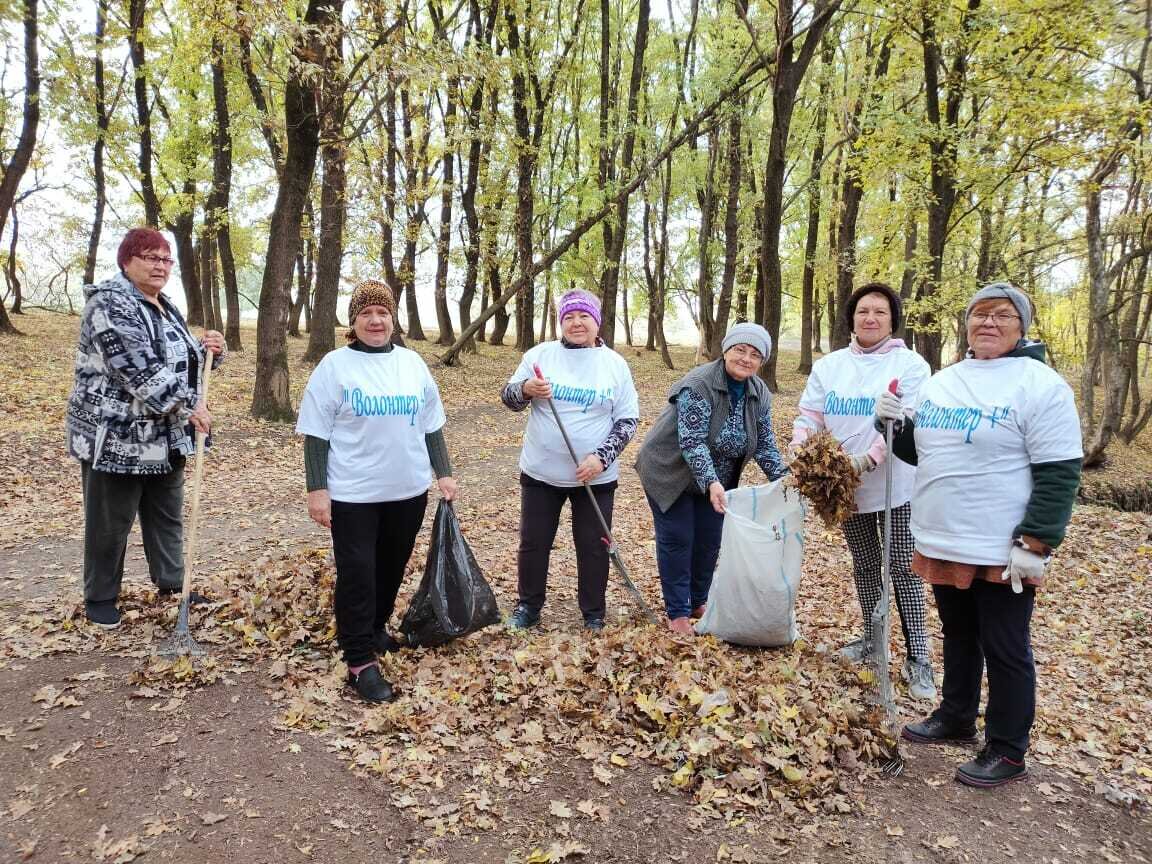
991 769
371 686
935 731
385 642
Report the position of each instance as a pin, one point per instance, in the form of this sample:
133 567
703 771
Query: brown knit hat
370 292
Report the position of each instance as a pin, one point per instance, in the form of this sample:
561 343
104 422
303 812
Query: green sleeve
438 453
316 462
1054 487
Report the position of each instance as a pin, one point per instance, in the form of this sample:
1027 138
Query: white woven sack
753 596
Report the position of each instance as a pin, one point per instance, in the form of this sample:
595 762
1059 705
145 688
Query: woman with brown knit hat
373 426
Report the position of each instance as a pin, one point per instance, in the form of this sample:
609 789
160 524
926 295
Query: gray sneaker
859 651
918 674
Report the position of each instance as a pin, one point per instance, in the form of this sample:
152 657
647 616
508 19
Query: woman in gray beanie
996 439
718 417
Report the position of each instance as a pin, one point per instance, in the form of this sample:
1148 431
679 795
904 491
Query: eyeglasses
154 260
746 352
997 318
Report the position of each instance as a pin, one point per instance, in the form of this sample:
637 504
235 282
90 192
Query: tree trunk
731 232
22 153
271 398
447 334
859 123
809 317
98 146
218 214
943 153
706 200
333 187
414 163
610 281
10 265
136 11
525 184
791 64
908 277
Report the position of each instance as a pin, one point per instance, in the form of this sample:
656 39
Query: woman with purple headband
591 387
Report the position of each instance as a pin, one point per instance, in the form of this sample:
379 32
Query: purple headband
579 301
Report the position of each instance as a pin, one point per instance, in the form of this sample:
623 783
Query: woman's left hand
447 487
589 469
214 341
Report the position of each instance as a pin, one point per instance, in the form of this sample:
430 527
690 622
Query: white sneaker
919 677
859 651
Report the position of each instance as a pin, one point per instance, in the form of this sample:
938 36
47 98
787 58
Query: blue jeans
687 545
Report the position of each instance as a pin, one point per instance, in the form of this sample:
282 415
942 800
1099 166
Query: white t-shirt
843 387
980 426
591 388
374 409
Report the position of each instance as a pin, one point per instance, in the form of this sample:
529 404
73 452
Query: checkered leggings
865 535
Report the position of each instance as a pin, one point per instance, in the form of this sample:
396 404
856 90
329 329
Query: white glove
1023 564
861 463
889 407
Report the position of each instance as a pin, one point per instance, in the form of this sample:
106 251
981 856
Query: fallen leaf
212 818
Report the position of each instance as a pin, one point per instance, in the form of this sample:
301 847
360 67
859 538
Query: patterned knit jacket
131 401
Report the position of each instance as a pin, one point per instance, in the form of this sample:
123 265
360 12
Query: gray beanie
748 334
1005 291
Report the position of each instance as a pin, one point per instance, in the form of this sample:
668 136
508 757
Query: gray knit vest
663 471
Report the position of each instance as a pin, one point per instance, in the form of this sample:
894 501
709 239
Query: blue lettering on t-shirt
962 418
849 406
584 396
383 405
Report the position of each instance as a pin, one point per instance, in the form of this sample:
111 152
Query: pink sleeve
806 423
879 450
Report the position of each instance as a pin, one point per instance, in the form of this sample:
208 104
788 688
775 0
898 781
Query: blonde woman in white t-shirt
373 426
591 388
839 397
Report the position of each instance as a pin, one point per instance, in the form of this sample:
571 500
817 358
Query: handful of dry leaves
823 474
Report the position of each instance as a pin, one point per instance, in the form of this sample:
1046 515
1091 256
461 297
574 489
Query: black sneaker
371 686
103 614
523 617
385 642
934 731
594 624
990 769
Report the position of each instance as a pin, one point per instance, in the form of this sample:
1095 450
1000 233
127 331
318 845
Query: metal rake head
180 644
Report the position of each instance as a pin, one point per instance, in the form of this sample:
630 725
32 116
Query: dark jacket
128 407
663 471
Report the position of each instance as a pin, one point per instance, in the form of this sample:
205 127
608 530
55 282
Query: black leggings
540 506
371 544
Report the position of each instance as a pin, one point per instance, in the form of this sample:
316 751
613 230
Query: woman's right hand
537 388
201 420
320 507
716 495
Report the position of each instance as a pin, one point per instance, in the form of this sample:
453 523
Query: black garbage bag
453 599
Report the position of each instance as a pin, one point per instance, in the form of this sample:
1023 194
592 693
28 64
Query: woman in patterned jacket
133 415
717 419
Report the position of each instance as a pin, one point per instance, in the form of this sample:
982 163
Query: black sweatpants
989 624
111 504
371 544
540 506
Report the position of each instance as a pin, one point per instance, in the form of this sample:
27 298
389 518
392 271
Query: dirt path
105 761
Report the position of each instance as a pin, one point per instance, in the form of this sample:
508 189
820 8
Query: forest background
692 163
712 162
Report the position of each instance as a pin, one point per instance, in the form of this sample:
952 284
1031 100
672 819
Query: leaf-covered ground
628 746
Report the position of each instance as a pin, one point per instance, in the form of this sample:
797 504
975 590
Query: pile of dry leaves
823 474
